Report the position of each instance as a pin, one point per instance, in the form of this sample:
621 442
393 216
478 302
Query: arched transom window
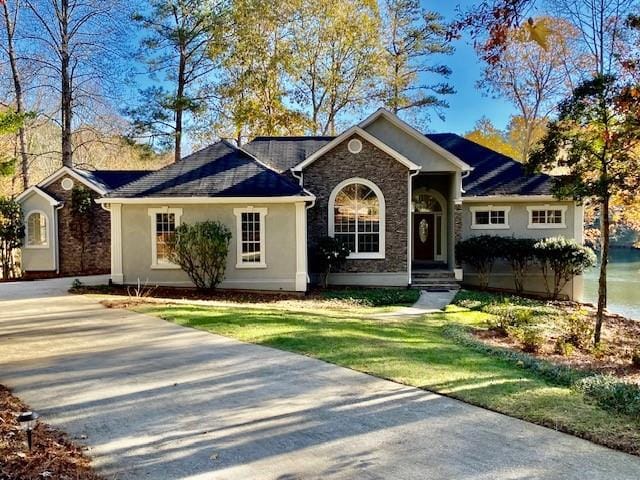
37 235
356 217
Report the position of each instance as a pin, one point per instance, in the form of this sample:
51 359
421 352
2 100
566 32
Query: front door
424 227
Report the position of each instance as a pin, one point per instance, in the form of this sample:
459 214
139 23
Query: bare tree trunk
17 86
66 99
180 105
604 260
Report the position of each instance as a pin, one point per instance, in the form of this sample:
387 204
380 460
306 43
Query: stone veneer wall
97 255
322 176
457 230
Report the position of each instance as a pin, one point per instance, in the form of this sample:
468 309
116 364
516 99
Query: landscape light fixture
27 422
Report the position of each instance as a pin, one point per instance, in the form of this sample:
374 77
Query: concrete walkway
428 302
158 401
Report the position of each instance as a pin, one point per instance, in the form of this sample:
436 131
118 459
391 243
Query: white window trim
538 226
263 252
490 226
47 228
382 231
154 247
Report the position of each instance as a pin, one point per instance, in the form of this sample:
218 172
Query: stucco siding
519 221
410 147
280 246
39 259
502 276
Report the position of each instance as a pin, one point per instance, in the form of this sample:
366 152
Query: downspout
410 225
307 207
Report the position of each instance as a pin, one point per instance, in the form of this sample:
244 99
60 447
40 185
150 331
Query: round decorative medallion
354 145
67 183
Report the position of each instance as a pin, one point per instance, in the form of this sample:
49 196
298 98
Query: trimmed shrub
201 251
480 252
330 255
520 254
612 394
561 260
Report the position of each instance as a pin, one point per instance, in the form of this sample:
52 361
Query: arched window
356 217
37 235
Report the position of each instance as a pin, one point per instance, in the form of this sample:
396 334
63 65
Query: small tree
11 234
481 253
81 219
561 260
330 255
596 140
519 252
201 251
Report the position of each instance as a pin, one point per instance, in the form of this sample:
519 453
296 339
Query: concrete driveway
154 400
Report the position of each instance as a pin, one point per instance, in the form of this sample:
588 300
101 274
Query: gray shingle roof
111 179
220 170
284 153
493 173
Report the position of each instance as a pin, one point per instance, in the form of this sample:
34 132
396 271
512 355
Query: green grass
375 297
412 351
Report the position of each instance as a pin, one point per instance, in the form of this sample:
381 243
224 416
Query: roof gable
77 175
393 119
219 170
356 130
34 190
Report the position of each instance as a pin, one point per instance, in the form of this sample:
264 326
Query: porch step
436 279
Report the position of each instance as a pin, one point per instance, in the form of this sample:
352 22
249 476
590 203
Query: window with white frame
37 234
547 216
164 222
489 217
250 237
356 217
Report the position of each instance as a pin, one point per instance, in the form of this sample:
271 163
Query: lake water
623 283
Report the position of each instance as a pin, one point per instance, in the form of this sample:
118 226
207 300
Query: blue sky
469 103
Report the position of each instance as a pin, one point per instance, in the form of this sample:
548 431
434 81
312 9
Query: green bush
507 316
612 394
577 330
520 254
480 252
531 338
201 251
562 259
563 348
330 255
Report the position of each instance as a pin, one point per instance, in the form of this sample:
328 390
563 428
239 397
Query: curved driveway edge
159 401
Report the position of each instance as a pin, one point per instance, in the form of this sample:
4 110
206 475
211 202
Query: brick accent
457 229
97 254
337 165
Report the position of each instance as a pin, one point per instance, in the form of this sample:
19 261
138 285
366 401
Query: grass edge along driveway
411 351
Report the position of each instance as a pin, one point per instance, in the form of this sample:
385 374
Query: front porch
432 223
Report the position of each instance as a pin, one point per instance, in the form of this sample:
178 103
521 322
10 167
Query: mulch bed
53 456
620 336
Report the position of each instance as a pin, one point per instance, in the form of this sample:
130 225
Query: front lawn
412 351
